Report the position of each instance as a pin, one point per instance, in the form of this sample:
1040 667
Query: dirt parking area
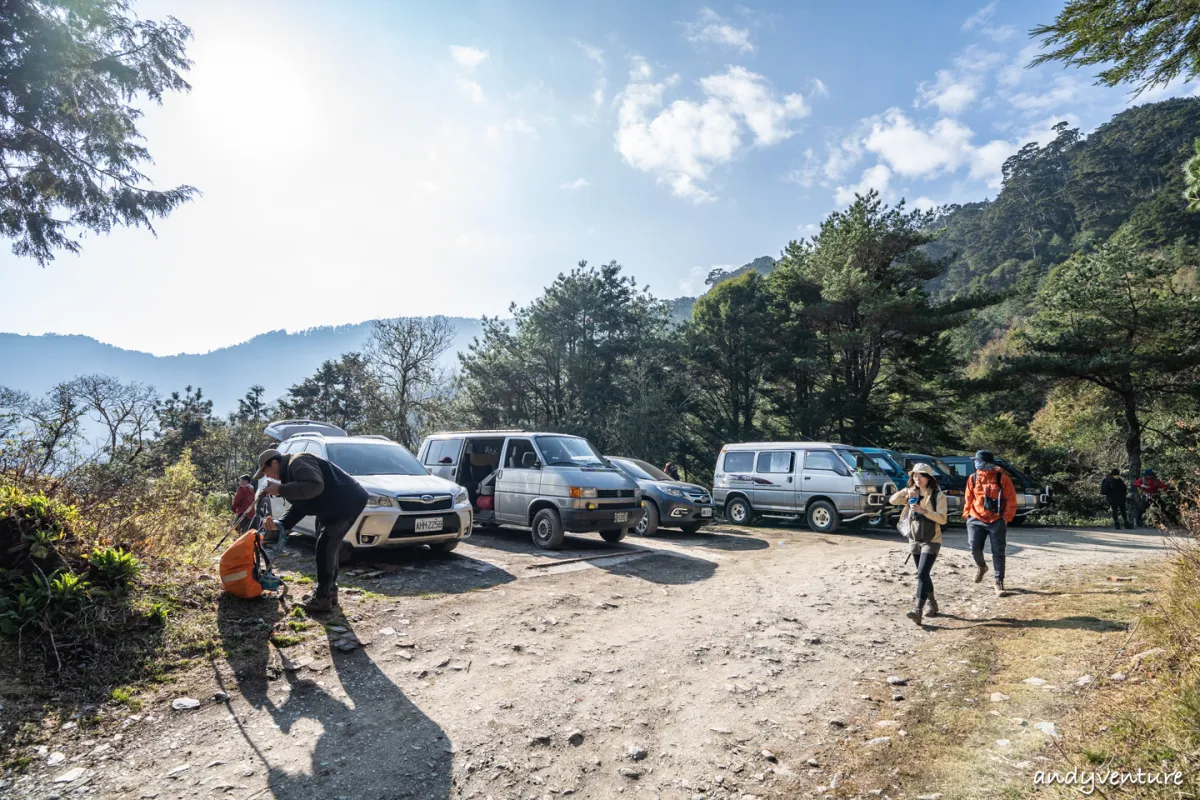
730 663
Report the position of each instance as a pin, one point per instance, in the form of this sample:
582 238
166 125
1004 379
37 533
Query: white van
826 484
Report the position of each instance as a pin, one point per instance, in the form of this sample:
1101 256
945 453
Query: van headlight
380 501
578 491
865 489
461 497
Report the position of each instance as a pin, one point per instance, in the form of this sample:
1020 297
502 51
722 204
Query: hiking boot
333 597
933 607
319 604
915 614
980 571
1000 589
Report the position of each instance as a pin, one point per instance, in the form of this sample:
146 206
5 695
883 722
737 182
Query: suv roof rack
373 436
497 430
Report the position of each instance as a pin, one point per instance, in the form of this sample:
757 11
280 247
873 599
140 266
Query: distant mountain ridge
276 359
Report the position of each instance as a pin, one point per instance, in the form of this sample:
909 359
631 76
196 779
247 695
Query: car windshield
940 467
374 459
642 471
851 458
568 451
883 463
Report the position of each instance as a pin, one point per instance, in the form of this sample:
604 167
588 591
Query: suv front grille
614 493
441 502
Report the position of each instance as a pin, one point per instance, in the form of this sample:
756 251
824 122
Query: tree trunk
1133 442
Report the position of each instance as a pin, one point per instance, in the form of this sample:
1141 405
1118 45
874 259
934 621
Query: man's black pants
1119 507
329 540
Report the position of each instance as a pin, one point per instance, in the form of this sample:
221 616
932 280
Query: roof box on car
286 428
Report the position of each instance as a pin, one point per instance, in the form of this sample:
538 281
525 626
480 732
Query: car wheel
691 529
441 548
879 523
613 537
738 511
823 517
547 529
345 554
648 526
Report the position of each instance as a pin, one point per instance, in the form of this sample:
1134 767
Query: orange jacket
973 505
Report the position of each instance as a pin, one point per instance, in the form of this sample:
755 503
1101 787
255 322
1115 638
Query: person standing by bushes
926 512
989 504
243 499
317 488
1150 490
1114 491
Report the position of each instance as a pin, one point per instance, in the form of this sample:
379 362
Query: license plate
706 512
621 516
428 525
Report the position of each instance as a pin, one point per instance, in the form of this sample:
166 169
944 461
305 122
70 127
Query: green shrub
33 527
113 567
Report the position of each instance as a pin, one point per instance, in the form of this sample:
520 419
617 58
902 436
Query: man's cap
263 458
921 468
1147 471
1115 472
985 456
245 477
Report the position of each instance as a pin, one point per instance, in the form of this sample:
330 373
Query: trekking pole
232 528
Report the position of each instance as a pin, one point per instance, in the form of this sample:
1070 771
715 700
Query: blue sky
365 159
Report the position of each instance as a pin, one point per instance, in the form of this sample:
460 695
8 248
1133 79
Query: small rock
877 741
1117 676
1020 722
336 629
575 738
632 774
837 723
637 753
178 770
291 666
1003 742
887 723
812 640
1034 681
1147 655
934 796
812 762
54 759
896 680
445 662
185 703
1048 729
212 764
999 697
539 739
725 731
387 631
897 697
769 756
221 697
1084 680
70 775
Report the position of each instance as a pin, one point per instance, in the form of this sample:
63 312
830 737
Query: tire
345 554
691 529
547 529
612 537
441 548
739 512
879 523
649 524
823 517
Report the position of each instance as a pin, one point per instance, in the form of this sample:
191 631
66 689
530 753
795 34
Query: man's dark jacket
317 488
1113 488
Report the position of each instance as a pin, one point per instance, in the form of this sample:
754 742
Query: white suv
405 504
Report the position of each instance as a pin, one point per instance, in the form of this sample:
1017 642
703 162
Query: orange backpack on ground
240 573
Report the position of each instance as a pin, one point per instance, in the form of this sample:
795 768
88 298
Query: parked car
551 483
1031 498
950 482
895 474
669 503
826 484
405 504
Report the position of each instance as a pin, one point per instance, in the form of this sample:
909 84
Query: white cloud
1064 89
1015 73
711 28
639 69
597 55
915 152
578 183
987 161
949 94
511 125
819 88
840 157
806 175
428 186
924 203
683 142
472 90
877 177
693 284
981 17
469 57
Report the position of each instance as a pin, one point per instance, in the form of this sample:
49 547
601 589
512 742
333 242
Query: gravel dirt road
713 665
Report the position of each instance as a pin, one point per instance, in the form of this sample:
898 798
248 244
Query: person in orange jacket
989 504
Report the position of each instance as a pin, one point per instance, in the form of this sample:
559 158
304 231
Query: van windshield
568 451
851 458
374 459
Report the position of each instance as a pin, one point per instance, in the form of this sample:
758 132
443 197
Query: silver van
551 483
827 484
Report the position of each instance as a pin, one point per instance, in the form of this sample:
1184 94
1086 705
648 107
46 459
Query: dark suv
669 503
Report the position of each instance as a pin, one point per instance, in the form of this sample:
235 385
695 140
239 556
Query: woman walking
922 522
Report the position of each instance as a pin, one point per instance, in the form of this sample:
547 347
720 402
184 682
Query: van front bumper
586 520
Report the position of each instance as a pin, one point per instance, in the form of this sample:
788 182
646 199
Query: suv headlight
380 501
672 491
461 497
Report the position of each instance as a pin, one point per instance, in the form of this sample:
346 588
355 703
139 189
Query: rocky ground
738 662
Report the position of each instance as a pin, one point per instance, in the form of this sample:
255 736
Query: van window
520 454
777 461
443 452
820 459
739 462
